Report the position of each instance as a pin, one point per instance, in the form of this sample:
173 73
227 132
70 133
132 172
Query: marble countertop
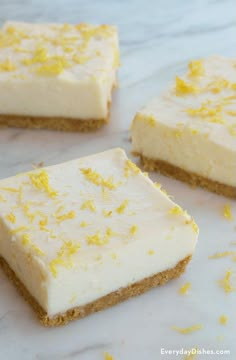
157 40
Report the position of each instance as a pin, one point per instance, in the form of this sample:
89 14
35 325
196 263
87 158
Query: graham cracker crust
97 305
52 123
193 179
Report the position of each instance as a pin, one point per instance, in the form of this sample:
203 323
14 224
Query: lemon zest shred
19 229
97 239
88 204
133 229
10 189
64 257
232 129
26 240
196 68
227 212
83 224
223 320
122 207
187 330
66 216
194 226
11 217
97 179
225 282
185 288
108 356
7 65
40 181
2 199
131 168
184 88
222 255
176 210
107 213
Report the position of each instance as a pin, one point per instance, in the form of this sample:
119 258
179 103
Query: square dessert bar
189 132
81 236
57 76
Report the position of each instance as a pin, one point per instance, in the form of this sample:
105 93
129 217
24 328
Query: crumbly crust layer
52 123
99 304
193 179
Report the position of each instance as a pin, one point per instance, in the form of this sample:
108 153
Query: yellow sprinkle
89 204
188 330
196 68
222 255
131 168
113 256
225 282
83 224
184 88
151 252
176 210
185 288
40 180
223 320
108 356
67 216
11 217
133 230
227 212
19 229
122 207
107 213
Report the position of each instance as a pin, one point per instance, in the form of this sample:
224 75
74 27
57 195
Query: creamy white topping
57 70
77 231
193 124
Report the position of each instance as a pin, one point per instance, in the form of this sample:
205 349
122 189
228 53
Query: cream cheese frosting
77 231
57 70
192 125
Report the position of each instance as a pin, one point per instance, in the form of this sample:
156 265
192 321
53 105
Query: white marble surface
157 40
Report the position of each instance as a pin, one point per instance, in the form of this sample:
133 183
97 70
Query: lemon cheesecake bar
86 234
57 76
189 132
